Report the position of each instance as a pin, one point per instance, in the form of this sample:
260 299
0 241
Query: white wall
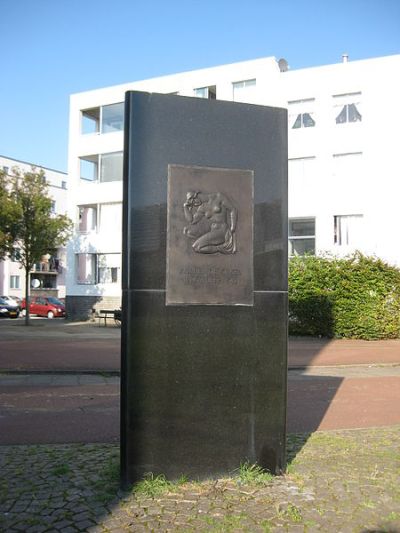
374 190
323 193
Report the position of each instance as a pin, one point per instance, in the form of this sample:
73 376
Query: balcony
51 265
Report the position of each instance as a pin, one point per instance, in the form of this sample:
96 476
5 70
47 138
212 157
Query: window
53 206
14 282
303 120
90 120
302 169
348 176
87 218
347 108
301 236
63 184
111 218
112 118
89 167
104 119
5 170
243 91
102 167
108 268
97 268
206 92
15 255
85 268
111 167
348 230
300 113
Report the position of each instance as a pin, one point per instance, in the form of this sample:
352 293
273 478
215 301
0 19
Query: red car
44 306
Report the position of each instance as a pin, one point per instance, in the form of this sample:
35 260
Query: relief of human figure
218 218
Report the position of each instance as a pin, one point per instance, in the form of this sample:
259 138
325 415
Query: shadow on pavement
309 396
67 347
53 487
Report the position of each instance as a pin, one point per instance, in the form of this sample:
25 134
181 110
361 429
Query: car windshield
54 301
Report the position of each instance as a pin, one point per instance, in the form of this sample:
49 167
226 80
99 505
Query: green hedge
355 297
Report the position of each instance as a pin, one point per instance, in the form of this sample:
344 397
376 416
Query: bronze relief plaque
209 236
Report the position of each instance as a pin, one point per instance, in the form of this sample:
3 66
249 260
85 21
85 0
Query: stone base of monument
204 329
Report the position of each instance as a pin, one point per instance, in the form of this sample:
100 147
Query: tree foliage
354 297
28 228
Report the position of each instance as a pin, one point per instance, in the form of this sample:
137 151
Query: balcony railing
51 267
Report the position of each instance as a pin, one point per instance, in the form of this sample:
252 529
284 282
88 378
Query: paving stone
37 529
339 481
83 525
81 516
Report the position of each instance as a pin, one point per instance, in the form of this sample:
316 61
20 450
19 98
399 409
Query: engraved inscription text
204 276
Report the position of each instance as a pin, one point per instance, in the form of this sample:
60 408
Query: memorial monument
204 329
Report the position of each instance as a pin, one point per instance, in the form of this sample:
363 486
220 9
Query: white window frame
341 102
15 281
302 237
99 120
96 159
300 108
243 84
95 218
111 268
210 92
92 280
340 240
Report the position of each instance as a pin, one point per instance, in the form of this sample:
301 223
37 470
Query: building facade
48 276
343 169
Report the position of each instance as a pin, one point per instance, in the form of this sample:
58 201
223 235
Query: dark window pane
301 246
308 121
354 115
300 228
342 116
114 275
297 123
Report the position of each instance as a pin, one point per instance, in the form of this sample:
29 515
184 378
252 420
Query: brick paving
337 481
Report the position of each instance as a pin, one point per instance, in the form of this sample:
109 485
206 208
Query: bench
104 314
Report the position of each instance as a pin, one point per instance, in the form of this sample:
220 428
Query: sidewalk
309 351
338 481
102 345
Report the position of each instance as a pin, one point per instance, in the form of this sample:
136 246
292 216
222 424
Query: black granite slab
203 387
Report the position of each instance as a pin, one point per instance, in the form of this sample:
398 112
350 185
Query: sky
50 49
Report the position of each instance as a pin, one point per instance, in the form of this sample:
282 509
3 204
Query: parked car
44 306
7 310
12 300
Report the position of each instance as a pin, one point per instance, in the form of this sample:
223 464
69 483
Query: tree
28 228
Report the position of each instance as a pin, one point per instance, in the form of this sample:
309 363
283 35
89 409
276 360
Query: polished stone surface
203 386
207 387
167 129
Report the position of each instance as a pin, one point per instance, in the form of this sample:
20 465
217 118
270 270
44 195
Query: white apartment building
343 165
48 276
